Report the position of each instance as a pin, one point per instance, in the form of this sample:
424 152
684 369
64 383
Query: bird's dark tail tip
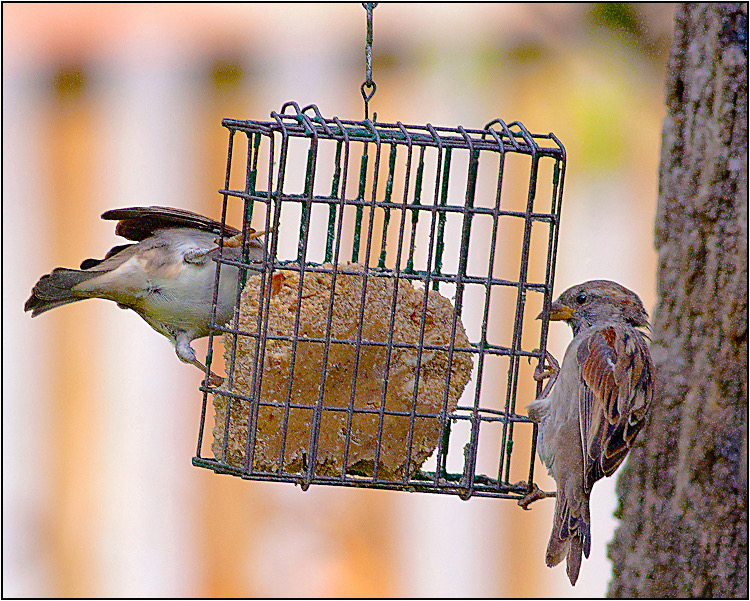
55 289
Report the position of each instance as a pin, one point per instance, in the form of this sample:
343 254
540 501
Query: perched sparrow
593 407
167 276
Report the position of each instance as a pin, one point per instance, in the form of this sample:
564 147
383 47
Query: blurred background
112 105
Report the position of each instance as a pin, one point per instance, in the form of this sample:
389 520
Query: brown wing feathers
616 378
138 223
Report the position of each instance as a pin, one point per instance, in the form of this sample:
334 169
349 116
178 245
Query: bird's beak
559 312
253 234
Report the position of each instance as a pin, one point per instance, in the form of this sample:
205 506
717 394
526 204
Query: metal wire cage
470 215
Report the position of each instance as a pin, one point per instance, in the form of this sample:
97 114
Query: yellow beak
559 312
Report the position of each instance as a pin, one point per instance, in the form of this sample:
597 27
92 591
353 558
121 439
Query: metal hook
368 83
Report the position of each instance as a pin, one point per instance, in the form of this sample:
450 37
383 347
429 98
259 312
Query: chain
368 87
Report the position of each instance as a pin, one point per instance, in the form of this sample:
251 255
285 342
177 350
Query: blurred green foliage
227 75
619 17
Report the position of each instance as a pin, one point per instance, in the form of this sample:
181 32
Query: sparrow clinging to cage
594 405
166 276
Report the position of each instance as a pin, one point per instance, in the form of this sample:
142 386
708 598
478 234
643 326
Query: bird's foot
542 372
186 354
236 240
215 380
535 494
233 242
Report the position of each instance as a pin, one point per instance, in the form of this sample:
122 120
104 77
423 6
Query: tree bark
683 492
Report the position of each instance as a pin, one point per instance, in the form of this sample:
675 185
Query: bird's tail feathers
574 559
558 545
55 289
571 535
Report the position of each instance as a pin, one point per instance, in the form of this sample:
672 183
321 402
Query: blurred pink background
111 105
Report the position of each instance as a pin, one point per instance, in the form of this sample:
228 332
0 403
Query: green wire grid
298 170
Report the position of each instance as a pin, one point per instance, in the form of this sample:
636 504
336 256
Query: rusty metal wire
334 186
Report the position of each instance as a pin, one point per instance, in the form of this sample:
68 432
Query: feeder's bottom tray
344 436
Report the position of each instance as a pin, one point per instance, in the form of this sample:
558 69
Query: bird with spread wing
166 274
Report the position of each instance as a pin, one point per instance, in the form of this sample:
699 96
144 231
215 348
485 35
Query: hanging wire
368 84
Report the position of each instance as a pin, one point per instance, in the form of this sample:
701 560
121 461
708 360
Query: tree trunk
683 492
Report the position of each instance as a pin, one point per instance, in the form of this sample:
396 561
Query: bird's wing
88 264
138 223
615 392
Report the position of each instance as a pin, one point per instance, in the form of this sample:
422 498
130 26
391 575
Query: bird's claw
186 354
542 372
236 240
215 380
535 494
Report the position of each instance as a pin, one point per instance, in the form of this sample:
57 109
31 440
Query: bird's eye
581 298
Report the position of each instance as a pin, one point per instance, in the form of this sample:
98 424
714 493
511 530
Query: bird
166 275
593 407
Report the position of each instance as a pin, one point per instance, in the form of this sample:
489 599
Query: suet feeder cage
382 341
